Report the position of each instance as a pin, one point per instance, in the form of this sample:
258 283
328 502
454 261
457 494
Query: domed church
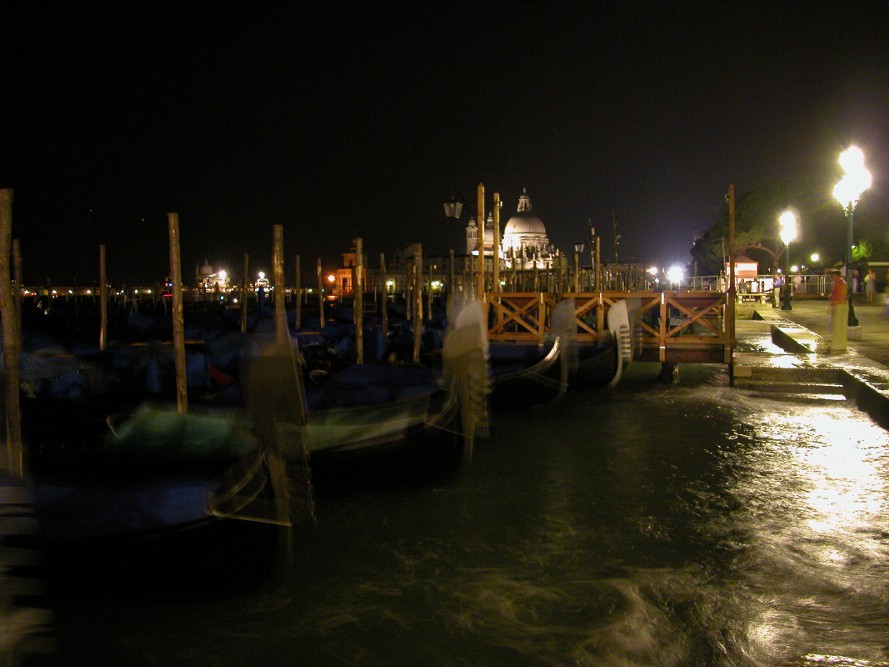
523 243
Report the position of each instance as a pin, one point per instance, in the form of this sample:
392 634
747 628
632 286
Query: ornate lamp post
593 267
454 207
788 234
578 248
856 180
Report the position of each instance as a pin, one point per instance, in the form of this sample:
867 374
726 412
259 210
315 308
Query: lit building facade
206 278
523 243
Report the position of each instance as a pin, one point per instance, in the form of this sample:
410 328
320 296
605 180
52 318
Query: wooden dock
672 327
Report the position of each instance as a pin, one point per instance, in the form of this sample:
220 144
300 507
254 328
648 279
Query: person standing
870 285
839 313
776 290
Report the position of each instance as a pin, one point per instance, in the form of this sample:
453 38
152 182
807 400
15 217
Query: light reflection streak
812 484
843 471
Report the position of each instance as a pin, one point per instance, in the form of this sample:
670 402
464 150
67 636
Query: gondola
366 420
111 456
525 375
102 470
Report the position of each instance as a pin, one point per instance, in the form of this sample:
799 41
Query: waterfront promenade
872 318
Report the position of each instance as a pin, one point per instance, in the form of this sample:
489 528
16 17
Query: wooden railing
520 316
671 327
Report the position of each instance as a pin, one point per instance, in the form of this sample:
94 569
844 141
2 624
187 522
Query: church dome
524 222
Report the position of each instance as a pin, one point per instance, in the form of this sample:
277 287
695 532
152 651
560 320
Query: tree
756 223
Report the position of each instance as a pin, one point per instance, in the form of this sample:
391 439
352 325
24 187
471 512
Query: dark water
694 524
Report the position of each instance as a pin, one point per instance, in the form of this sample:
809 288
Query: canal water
674 525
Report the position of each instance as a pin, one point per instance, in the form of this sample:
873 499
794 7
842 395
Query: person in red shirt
839 312
839 294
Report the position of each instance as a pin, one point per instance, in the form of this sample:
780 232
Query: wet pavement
789 351
812 314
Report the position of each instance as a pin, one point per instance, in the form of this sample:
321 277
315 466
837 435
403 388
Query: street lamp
578 248
453 207
788 234
855 180
593 267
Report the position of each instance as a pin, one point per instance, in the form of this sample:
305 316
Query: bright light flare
852 159
856 180
675 274
788 226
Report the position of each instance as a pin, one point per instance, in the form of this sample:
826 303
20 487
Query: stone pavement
813 315
789 351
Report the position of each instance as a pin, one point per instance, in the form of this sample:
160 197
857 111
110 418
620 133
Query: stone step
790 374
798 397
787 387
798 383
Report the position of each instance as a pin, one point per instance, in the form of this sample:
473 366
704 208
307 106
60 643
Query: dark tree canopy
822 227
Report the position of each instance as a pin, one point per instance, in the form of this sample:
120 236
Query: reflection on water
652 525
811 486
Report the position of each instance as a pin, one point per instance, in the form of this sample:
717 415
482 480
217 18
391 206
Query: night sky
360 120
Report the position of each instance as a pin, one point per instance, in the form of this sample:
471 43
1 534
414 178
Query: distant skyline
361 120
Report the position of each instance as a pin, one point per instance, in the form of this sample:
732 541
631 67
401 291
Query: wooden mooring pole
281 333
244 293
297 294
384 309
11 343
417 296
358 300
178 316
320 294
103 300
730 292
480 243
18 282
